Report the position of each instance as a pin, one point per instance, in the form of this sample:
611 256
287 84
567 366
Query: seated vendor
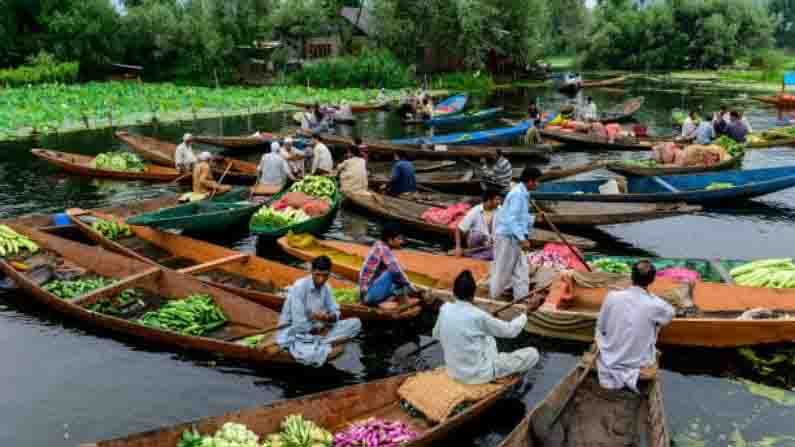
382 281
203 182
478 227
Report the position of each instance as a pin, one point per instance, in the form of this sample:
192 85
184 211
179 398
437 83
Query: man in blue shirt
736 130
512 232
403 176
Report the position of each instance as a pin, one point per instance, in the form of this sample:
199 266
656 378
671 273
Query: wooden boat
690 188
585 141
420 166
409 214
332 410
243 274
781 100
239 142
162 153
159 285
355 108
475 137
82 165
539 152
631 169
577 411
605 82
622 112
441 181
316 225
460 118
776 137
451 106
206 216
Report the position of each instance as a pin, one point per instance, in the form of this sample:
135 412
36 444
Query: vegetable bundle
734 148
648 163
346 296
71 289
316 186
611 266
119 161
11 242
268 217
230 434
299 432
111 230
375 433
772 273
195 315
714 186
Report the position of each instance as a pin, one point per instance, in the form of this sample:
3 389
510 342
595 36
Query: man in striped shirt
382 281
499 175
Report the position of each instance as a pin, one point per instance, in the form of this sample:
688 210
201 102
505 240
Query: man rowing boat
313 318
203 182
468 337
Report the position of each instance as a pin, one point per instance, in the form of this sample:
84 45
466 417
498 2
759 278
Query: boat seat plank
665 184
201 268
117 287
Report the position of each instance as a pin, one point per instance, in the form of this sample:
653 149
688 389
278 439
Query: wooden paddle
180 178
495 313
559 234
221 180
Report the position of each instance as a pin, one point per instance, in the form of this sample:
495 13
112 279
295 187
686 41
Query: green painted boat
206 216
314 226
710 270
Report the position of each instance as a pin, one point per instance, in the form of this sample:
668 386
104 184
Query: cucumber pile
12 242
771 273
316 186
71 289
111 230
611 266
195 315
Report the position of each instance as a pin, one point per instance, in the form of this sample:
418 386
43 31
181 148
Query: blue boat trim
476 137
464 117
455 104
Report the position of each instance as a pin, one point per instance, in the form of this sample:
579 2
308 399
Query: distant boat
452 105
476 137
460 118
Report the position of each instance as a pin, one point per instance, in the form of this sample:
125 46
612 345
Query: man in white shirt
322 162
627 328
184 158
478 226
467 334
590 112
690 125
295 159
273 169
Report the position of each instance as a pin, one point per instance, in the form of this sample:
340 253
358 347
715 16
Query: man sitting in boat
720 121
590 111
627 328
353 172
313 318
499 175
513 226
382 281
272 172
403 178
705 132
294 157
203 182
322 163
689 126
184 158
736 129
468 337
478 226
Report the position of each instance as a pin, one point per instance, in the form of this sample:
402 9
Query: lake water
63 384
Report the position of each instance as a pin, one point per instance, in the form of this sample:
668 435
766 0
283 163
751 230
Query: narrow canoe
409 214
243 274
784 101
460 118
537 153
775 137
82 165
315 225
162 153
420 166
355 108
589 415
622 112
710 270
691 188
452 105
441 181
474 137
206 216
239 142
605 82
332 410
244 317
585 141
630 169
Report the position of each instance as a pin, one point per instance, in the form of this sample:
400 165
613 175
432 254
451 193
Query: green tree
569 22
784 12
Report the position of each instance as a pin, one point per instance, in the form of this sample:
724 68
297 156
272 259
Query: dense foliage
676 34
40 69
784 12
372 69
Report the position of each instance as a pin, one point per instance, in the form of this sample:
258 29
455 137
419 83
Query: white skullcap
275 147
288 140
204 156
187 137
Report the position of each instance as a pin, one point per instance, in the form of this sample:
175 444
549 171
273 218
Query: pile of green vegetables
126 300
252 340
197 314
295 432
648 163
316 186
734 148
230 434
12 242
111 230
268 217
611 266
714 186
71 289
772 273
119 161
346 296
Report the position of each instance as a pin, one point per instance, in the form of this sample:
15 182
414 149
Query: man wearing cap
294 158
273 170
312 318
184 158
203 182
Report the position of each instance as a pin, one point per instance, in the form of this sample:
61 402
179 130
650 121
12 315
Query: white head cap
275 147
288 140
204 156
187 137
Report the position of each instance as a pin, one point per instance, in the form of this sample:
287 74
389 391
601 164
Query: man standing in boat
478 226
513 224
313 318
468 337
627 328
184 158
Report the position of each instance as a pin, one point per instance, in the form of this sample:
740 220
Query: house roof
360 18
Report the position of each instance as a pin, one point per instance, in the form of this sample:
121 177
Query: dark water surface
62 384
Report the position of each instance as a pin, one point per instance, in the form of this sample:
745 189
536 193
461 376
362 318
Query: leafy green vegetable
734 148
316 186
71 289
268 217
346 296
611 266
119 161
111 230
116 307
195 315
